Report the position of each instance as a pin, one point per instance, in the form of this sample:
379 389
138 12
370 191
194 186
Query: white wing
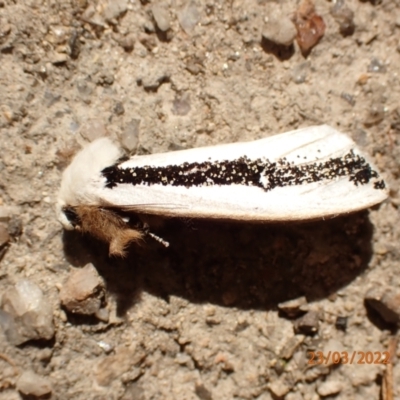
310 149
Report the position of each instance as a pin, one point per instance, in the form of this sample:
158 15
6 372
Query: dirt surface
200 319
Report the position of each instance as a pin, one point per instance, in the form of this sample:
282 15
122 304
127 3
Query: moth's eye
72 216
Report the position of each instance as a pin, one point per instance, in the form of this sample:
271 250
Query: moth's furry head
79 176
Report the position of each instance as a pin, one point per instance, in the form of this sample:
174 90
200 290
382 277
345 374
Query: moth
305 174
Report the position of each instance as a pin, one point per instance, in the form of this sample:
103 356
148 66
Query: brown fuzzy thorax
107 226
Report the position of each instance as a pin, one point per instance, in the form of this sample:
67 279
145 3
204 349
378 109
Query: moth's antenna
158 239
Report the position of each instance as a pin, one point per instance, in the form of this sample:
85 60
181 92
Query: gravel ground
228 311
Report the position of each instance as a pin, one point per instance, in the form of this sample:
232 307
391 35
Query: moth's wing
242 202
237 203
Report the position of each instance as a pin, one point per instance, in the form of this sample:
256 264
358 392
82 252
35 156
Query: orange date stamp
348 357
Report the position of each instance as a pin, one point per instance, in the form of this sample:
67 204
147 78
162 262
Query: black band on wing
262 173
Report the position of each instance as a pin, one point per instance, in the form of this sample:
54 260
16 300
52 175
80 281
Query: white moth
306 174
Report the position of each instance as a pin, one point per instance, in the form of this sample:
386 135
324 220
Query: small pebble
341 323
375 115
310 26
361 138
45 354
314 373
189 16
127 42
307 324
105 78
89 12
181 105
349 98
58 35
59 58
83 292
148 41
32 384
93 129
376 66
114 9
148 26
7 112
74 44
154 79
107 348
129 138
329 388
294 308
300 72
103 314
161 16
195 64
344 17
279 30
31 313
85 88
279 366
363 79
119 108
202 392
278 388
182 358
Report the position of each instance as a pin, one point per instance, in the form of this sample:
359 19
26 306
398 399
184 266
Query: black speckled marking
244 171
